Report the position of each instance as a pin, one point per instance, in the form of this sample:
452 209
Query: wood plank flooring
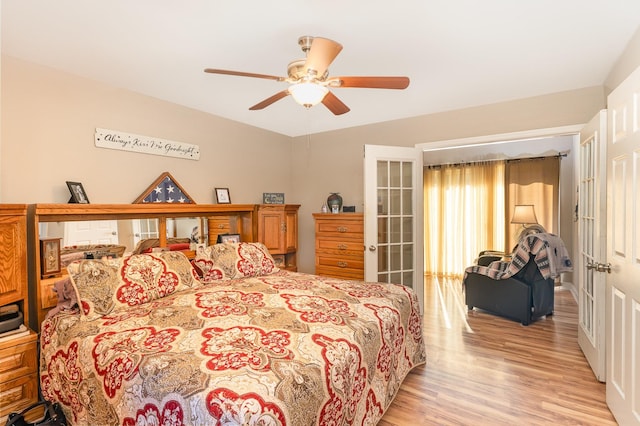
485 370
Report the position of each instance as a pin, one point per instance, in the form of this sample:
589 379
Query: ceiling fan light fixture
308 94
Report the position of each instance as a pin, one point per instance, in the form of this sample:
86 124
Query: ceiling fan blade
270 100
370 82
243 74
323 51
334 104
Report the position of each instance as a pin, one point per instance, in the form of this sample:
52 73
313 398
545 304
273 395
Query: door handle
372 248
600 267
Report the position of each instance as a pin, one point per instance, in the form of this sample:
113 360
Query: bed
226 339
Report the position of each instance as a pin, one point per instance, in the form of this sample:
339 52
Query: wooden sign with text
113 139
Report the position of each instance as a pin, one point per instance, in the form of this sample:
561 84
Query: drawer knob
342 246
343 264
342 229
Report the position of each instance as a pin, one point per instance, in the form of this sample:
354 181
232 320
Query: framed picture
78 195
49 257
228 238
222 196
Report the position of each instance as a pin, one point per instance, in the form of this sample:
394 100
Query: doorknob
372 248
600 267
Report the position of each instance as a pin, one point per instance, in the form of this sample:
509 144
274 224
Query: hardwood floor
485 370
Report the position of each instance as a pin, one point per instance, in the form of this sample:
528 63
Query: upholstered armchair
521 289
486 257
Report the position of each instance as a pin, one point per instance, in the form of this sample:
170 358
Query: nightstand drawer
48 297
18 357
218 225
17 394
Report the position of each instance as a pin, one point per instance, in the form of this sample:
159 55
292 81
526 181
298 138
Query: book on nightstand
18 332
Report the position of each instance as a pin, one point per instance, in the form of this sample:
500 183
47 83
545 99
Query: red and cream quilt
155 345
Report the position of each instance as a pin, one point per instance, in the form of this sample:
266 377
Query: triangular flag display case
165 189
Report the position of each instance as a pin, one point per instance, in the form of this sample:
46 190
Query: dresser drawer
345 228
342 262
345 273
340 245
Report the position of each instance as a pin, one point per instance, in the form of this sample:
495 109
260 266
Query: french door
592 212
393 216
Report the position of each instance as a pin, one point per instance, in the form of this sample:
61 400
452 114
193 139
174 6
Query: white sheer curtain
464 209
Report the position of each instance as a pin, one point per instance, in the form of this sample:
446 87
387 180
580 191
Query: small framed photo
228 238
78 195
222 196
49 257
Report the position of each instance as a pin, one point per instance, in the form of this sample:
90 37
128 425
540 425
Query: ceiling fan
310 81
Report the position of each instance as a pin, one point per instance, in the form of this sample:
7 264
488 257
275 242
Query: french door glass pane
587 211
395 222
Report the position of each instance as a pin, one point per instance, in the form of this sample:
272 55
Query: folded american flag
166 192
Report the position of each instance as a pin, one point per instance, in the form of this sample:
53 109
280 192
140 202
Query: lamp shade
524 214
308 94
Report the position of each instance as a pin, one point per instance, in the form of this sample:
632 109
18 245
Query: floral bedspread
281 349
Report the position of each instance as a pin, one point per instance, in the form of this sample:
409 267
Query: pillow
104 286
234 260
179 246
146 245
206 270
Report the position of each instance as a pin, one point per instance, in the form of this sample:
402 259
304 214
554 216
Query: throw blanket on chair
551 256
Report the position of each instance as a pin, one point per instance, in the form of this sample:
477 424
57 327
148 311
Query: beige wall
48 124
333 161
626 64
49 118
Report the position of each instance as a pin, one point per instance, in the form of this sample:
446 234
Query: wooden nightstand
18 353
18 373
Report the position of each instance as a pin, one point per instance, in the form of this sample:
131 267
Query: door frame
570 130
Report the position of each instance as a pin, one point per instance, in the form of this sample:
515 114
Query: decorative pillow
234 260
104 286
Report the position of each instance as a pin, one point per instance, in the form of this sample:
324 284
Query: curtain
533 181
464 208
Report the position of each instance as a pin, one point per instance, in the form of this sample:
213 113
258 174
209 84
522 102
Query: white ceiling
457 53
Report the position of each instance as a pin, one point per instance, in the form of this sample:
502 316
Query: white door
90 232
393 216
592 212
623 252
145 228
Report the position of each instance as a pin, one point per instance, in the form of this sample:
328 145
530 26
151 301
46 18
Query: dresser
18 352
340 245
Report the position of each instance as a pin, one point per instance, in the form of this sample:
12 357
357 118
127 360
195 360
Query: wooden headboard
220 218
